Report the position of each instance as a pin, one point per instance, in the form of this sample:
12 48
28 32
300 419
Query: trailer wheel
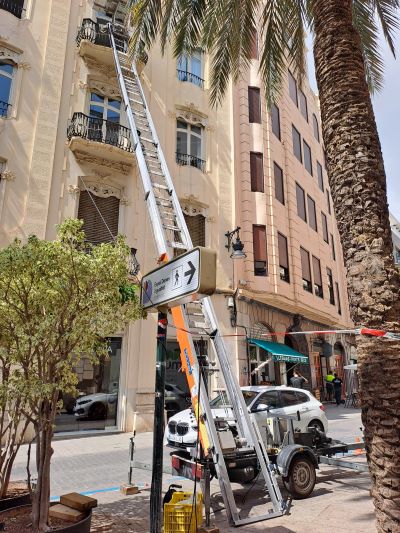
301 479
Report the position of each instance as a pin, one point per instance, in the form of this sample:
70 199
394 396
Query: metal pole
207 502
158 430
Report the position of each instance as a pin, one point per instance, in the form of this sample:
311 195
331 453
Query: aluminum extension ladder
171 233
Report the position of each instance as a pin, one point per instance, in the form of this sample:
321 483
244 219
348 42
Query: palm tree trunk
357 179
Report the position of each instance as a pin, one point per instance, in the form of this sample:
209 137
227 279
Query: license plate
177 438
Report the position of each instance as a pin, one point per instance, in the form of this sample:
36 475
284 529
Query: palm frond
365 24
388 12
297 53
188 28
146 20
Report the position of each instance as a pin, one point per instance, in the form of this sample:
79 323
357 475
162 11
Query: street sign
189 277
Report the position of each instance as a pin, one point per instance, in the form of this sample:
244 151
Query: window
270 398
338 298
189 145
312 214
320 176
333 248
190 68
306 270
254 46
301 202
15 7
318 291
303 104
197 229
324 227
307 157
288 398
328 201
330 286
276 121
315 127
260 250
293 88
297 144
104 113
254 105
100 217
302 397
6 82
325 160
279 187
283 258
256 172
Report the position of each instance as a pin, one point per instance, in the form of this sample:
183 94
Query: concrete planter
79 527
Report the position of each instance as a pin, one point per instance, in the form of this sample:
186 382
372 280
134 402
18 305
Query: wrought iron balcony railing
190 160
98 34
14 7
5 109
183 75
102 131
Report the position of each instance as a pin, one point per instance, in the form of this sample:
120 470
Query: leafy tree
59 300
348 67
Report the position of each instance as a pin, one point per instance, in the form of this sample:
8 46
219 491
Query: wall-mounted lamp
133 265
236 244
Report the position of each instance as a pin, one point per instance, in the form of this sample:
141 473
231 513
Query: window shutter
254 105
279 188
254 46
312 215
259 243
197 229
301 202
317 271
305 264
95 223
324 227
283 251
256 172
276 121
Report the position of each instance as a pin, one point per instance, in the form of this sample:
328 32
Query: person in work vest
329 387
337 385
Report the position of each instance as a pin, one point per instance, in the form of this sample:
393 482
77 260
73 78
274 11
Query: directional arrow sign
189 277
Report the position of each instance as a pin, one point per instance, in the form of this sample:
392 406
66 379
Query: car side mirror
260 408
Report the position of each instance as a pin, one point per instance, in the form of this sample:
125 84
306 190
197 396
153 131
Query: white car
96 406
181 430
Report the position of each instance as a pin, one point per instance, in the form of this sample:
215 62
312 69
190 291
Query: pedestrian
329 387
337 386
297 380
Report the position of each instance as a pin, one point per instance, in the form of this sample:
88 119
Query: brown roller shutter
197 229
317 271
254 46
259 243
283 251
305 264
98 214
254 105
256 172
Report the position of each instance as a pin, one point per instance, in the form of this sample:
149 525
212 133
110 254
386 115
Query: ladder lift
171 233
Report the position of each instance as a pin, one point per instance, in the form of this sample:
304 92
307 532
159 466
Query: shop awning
281 352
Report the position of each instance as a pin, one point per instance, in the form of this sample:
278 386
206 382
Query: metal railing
98 34
190 160
5 108
99 130
183 75
15 8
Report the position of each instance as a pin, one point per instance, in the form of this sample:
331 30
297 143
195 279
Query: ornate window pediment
191 114
106 89
99 189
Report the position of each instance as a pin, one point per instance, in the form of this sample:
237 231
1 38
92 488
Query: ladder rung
164 203
156 173
136 102
161 186
152 141
179 245
171 227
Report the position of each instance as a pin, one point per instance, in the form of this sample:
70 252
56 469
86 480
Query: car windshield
222 399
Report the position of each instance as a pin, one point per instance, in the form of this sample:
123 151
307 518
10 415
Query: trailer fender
290 451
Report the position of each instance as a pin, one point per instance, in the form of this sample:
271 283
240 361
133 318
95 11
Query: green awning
281 352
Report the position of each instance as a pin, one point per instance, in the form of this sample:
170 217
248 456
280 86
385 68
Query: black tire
302 477
97 411
317 424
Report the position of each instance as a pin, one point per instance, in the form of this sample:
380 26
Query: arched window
7 70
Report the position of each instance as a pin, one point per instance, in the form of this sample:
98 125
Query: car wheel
97 411
317 424
301 479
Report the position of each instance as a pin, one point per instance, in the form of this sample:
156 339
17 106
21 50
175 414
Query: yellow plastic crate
181 517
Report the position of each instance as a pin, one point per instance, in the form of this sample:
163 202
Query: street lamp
236 245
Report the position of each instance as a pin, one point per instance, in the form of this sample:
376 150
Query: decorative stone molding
73 189
191 114
211 220
125 200
95 160
106 70
8 53
24 65
82 85
99 189
192 207
8 175
106 89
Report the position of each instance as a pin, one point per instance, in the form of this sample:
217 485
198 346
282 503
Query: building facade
66 151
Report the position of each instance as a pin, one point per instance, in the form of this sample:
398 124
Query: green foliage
224 28
59 300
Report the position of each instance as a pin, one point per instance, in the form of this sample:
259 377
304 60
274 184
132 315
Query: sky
387 113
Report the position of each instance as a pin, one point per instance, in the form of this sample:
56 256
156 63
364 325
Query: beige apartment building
66 151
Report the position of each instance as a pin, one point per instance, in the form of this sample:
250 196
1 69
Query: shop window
312 214
7 72
100 217
315 127
330 286
324 227
279 186
306 270
293 88
318 290
276 121
256 172
297 144
254 105
307 157
260 250
189 145
283 258
303 104
301 202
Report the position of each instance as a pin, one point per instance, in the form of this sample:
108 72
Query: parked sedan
96 406
260 400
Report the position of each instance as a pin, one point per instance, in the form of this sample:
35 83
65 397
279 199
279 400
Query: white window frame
12 78
188 131
105 105
189 69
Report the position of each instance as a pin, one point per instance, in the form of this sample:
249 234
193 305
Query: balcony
101 141
14 7
190 160
93 40
5 109
183 75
